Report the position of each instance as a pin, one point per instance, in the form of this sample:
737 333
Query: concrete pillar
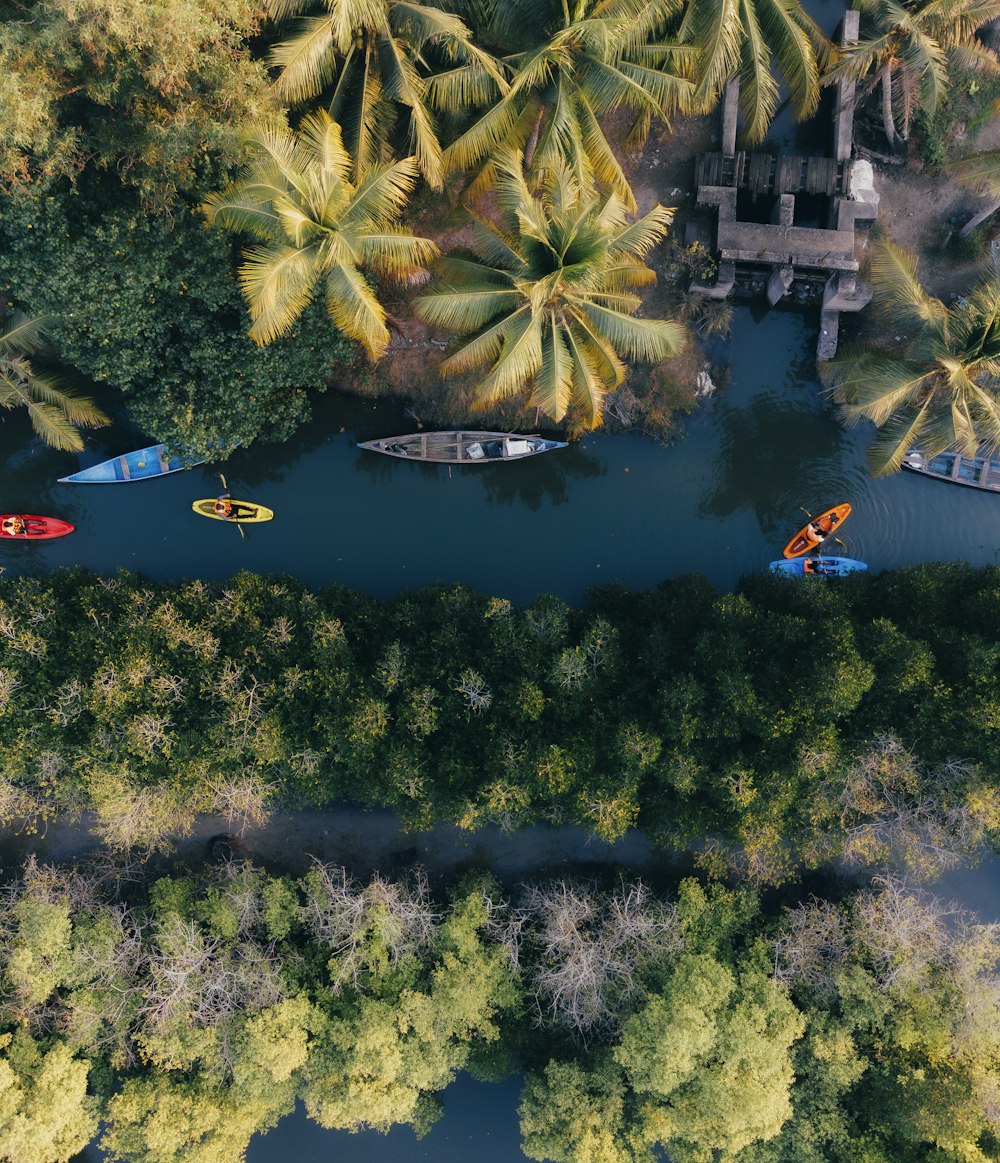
844 93
779 283
829 333
730 112
783 213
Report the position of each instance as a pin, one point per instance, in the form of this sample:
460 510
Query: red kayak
34 528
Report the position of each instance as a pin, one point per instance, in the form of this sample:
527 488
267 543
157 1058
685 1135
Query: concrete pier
774 254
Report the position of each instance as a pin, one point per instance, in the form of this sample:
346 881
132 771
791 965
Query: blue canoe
818 566
133 466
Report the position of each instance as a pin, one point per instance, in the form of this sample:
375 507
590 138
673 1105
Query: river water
722 501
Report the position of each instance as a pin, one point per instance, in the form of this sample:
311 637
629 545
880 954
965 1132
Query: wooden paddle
243 536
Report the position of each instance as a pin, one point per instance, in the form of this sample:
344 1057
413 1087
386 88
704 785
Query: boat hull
141 465
805 539
244 512
818 566
975 472
37 528
462 447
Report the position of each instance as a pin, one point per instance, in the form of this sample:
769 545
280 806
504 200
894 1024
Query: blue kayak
818 566
133 466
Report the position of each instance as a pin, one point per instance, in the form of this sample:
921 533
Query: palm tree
942 392
908 48
548 295
568 68
372 57
318 228
56 412
743 40
982 172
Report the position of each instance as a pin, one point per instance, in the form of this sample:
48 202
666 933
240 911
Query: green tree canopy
46 1115
549 295
142 86
710 1058
147 304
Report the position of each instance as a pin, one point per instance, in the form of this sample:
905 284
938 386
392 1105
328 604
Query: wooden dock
764 173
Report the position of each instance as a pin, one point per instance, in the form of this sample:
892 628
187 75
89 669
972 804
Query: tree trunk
981 217
533 136
887 121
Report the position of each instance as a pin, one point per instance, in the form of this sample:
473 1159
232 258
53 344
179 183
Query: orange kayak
819 528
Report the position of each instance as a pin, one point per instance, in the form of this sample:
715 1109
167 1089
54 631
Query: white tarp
476 451
517 447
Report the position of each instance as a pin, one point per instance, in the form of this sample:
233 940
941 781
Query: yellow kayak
243 511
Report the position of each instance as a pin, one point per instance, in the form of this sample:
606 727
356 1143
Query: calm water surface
722 501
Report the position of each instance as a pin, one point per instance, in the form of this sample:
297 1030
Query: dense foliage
148 304
147 88
188 1013
790 721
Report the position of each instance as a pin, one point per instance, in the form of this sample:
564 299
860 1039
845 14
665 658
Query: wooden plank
821 175
787 175
759 177
126 474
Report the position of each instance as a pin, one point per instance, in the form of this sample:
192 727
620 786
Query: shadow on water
765 453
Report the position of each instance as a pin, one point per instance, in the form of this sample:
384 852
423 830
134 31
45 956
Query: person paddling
224 507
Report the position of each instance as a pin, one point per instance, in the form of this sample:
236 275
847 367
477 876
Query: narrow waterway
722 501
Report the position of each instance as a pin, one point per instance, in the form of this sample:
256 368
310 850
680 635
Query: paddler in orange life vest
14 526
224 507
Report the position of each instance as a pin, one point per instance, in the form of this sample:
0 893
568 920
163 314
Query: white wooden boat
979 472
463 447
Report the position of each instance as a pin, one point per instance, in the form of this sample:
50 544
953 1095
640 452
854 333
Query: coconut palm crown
318 230
56 413
942 392
548 295
910 48
745 40
567 67
372 58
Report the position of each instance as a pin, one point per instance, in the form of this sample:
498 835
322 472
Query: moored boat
462 447
34 527
242 511
818 566
132 466
977 472
817 530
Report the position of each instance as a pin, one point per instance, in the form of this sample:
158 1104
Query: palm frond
465 309
307 61
352 305
519 359
894 441
554 379
277 283
899 295
981 170
485 347
382 194
23 335
394 253
649 339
